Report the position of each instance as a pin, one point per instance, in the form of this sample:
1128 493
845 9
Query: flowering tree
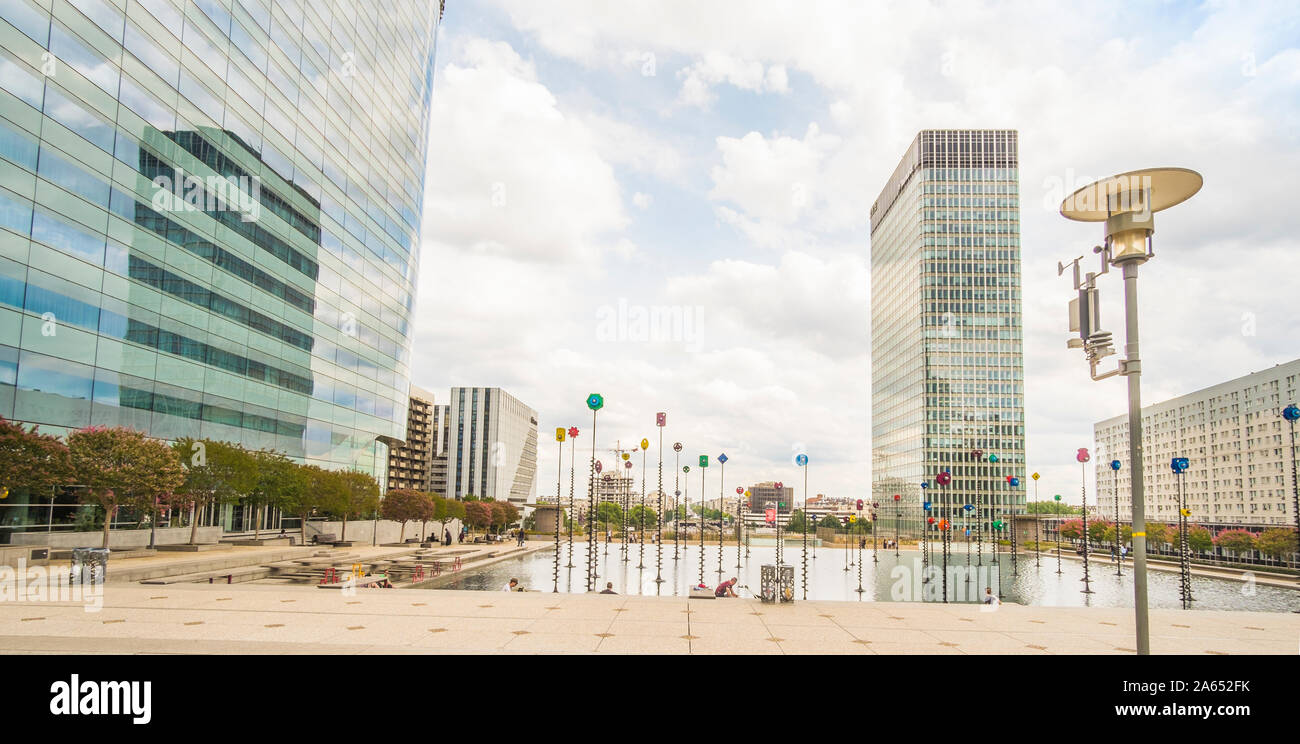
1100 531
121 467
31 461
1199 538
1239 541
478 515
403 505
1072 529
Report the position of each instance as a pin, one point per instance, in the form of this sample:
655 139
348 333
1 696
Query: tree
1100 531
450 509
478 515
278 483
1276 542
1199 538
641 515
121 467
215 473
403 505
1159 533
830 522
1240 541
31 462
357 494
322 487
797 521
1072 529
609 512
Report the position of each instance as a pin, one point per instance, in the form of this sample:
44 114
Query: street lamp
802 461
1119 562
559 468
661 420
1291 413
573 441
1083 457
595 402
1037 518
677 492
1126 203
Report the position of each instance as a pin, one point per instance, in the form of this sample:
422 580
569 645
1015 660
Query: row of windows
159 278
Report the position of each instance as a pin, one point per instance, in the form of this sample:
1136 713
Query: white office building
1235 440
492 446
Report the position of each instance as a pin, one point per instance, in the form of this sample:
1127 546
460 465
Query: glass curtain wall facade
492 446
947 361
209 218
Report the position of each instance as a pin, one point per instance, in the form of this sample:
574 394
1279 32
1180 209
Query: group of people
887 543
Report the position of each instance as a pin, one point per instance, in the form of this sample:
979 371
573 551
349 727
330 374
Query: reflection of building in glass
265 298
947 366
492 449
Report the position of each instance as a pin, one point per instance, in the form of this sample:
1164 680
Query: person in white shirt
513 586
989 597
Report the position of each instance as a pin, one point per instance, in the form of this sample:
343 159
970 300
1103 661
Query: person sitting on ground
989 598
512 586
726 588
609 588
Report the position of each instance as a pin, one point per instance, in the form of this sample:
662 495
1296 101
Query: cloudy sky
667 203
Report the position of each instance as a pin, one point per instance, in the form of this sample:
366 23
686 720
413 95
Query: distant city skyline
587 158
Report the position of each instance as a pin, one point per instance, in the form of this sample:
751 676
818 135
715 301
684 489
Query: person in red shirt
725 589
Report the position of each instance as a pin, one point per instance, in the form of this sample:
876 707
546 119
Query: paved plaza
261 619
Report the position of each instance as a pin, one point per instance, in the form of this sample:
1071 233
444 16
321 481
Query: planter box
117 539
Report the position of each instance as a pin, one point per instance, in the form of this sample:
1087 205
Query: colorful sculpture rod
559 468
1083 457
573 440
661 420
595 402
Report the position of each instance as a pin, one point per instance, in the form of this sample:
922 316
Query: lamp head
1127 203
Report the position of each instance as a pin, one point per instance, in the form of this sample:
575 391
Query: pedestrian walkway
251 618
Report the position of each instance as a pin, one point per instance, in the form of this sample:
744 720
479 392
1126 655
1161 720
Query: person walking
446 537
519 536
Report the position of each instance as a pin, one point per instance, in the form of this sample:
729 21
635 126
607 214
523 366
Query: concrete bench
697 593
328 537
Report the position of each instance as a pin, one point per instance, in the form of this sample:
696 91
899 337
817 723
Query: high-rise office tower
947 372
492 448
209 218
441 434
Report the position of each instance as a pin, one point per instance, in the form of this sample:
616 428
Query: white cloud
715 67
642 200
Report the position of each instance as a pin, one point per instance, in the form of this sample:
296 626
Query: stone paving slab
249 619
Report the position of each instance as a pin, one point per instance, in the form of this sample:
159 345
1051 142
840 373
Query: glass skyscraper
947 368
210 216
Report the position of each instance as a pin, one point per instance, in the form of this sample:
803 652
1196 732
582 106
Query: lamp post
898 513
1057 497
677 492
1179 465
573 441
722 478
1126 203
1083 457
627 505
802 461
925 543
595 402
661 420
1291 413
945 527
640 515
704 463
590 517
740 523
559 468
1119 562
1015 557
1037 518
